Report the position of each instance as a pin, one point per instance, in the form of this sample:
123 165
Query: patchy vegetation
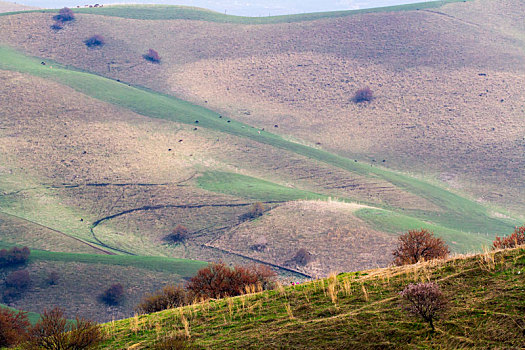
363 95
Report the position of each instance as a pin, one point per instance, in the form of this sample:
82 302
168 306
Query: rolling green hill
354 310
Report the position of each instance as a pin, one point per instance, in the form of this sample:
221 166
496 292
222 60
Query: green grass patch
167 12
388 221
181 267
32 317
252 188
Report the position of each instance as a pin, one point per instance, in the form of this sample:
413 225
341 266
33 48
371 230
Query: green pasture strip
170 12
182 267
462 214
32 317
388 221
252 188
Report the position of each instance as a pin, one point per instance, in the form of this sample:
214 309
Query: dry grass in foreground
354 310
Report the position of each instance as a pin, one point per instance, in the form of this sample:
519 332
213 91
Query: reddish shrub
64 15
424 300
417 245
218 280
54 332
152 56
14 256
113 295
18 280
179 234
94 41
363 95
169 297
13 327
515 239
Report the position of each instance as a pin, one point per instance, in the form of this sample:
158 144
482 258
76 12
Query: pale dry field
338 240
6 6
69 156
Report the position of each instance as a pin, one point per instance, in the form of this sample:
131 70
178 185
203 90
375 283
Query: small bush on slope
417 245
512 241
53 332
424 300
14 256
169 297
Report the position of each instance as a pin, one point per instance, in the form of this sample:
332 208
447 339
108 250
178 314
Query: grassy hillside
354 310
104 153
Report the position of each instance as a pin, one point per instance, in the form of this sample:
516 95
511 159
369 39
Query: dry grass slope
355 310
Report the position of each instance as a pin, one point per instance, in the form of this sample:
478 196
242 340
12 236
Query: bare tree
424 300
416 245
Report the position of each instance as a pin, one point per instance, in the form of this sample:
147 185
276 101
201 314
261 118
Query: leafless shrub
179 234
152 56
256 210
64 15
302 257
363 95
95 41
260 244
169 297
424 300
113 295
53 331
14 256
416 245
53 278
218 280
13 327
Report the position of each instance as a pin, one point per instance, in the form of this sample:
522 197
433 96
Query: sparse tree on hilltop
417 245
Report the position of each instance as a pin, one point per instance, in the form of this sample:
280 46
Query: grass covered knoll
163 12
359 310
172 12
